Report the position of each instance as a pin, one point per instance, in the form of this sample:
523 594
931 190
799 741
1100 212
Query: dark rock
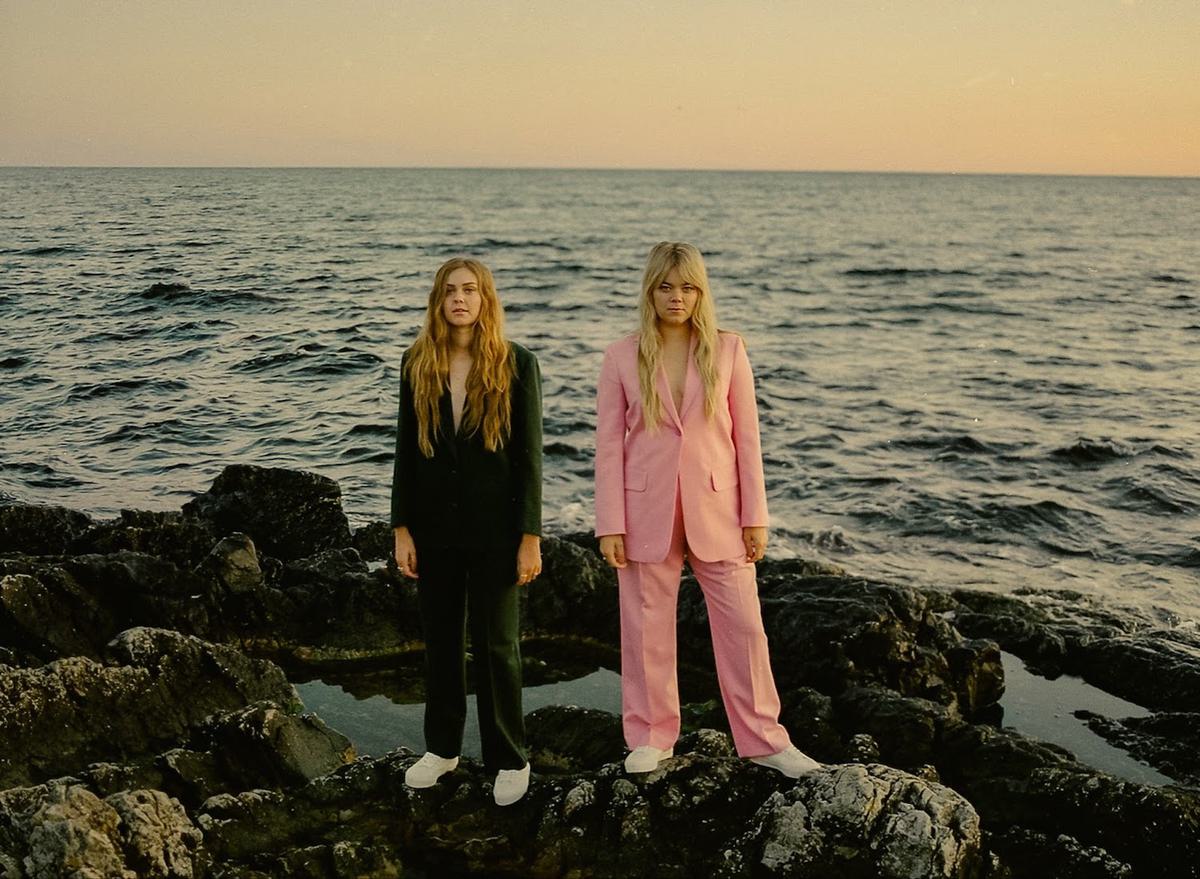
707 743
233 565
564 738
1168 741
809 719
39 530
1016 782
144 590
1120 650
264 746
575 595
862 748
1027 853
695 816
47 614
841 632
908 730
375 541
58 718
288 514
168 535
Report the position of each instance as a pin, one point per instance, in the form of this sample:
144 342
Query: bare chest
675 365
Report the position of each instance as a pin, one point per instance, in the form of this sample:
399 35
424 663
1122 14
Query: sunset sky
1071 86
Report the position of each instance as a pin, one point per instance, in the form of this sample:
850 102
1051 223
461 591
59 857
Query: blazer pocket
724 480
635 480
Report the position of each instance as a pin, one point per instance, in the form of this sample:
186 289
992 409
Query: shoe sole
802 773
667 756
500 802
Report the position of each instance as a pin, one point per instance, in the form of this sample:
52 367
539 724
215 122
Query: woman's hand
529 558
612 547
406 552
756 542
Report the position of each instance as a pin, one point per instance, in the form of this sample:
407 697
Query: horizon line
909 172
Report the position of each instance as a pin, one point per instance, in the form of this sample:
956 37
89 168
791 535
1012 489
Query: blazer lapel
691 382
446 432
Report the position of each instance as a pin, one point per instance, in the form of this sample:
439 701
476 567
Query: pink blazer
716 463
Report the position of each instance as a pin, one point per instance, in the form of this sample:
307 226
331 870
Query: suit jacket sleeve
403 469
610 449
744 410
527 448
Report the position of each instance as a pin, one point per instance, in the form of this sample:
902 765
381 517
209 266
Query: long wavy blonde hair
488 406
664 256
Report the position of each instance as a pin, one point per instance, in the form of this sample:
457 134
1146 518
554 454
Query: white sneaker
426 771
510 785
646 759
791 761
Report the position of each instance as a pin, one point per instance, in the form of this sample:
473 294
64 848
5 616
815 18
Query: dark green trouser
476 584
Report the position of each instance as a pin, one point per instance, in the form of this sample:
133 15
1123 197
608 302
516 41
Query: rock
158 838
39 530
1033 854
63 829
809 719
1017 782
575 595
45 617
865 821
1123 651
288 514
1168 741
375 541
564 738
233 564
841 632
908 730
168 535
265 746
58 718
695 816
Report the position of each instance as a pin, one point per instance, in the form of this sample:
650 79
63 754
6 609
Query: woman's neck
460 339
675 332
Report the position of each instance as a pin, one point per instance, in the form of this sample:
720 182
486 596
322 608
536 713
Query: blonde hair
664 256
488 405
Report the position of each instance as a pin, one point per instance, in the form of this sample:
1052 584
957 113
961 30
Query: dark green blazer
465 494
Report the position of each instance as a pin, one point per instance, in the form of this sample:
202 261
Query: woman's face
675 299
463 300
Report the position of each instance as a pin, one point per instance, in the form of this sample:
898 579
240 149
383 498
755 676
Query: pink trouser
649 689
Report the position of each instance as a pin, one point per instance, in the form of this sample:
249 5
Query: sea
988 382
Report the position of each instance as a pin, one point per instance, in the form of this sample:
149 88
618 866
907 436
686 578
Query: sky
1003 86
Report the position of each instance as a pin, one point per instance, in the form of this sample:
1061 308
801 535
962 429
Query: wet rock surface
144 731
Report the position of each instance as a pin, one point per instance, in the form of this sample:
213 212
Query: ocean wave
1093 452
1053 526
181 292
385 430
901 273
14 362
49 250
1134 494
942 443
366 455
307 361
98 390
1170 279
37 475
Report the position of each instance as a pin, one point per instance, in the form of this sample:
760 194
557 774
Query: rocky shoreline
147 727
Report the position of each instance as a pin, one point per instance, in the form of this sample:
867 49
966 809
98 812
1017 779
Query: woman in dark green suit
466 515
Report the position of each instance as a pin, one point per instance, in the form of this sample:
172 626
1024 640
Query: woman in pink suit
679 475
